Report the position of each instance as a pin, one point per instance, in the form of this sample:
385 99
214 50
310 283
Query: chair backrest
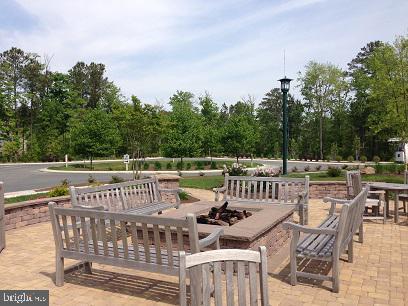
225 262
405 177
149 240
118 197
351 216
265 189
2 223
354 183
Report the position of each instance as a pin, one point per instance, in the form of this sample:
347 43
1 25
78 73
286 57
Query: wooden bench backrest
265 189
160 239
212 265
118 197
353 183
351 216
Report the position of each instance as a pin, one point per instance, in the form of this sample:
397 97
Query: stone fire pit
264 227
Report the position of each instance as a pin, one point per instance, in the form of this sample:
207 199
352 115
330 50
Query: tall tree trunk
237 159
91 163
321 136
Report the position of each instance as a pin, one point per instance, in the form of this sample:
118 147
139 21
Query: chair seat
403 196
319 245
372 202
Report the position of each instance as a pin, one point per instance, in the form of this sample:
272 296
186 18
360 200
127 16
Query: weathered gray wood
329 240
229 266
284 191
146 251
137 197
243 258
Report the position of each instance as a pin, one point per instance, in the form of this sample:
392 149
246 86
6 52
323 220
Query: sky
229 48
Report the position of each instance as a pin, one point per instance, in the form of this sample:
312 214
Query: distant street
18 177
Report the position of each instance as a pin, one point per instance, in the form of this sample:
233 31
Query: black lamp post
285 85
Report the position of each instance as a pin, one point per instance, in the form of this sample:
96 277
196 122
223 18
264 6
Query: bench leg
293 263
59 271
88 267
361 233
335 275
350 251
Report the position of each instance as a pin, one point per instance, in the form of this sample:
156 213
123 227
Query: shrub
91 179
169 166
295 169
344 167
183 195
363 158
207 163
266 172
307 169
338 158
145 166
213 165
188 166
333 172
58 191
157 165
318 167
65 183
179 166
199 165
376 159
116 179
236 170
350 159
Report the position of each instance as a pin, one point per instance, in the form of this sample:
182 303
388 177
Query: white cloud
230 48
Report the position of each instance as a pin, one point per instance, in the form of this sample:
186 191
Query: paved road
17 177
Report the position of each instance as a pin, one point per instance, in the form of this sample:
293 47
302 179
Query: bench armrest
309 230
334 202
217 192
214 237
173 191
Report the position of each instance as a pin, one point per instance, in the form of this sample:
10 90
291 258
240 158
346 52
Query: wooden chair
404 196
354 187
211 265
329 240
2 225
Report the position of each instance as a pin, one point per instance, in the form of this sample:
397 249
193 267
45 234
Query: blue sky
231 49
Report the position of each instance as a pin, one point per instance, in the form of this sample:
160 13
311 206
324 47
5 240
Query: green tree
184 134
93 134
240 132
210 117
323 87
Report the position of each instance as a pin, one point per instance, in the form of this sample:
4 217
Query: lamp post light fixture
285 85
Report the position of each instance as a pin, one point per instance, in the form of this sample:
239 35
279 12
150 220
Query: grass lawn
202 182
322 176
26 198
151 166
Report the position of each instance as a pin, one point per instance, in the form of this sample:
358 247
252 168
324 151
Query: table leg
396 207
387 204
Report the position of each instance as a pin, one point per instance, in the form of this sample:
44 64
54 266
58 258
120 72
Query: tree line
340 114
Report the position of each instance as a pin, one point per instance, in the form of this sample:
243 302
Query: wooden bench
147 243
329 240
267 190
133 197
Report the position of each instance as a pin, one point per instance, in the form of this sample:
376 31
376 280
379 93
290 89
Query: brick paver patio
379 274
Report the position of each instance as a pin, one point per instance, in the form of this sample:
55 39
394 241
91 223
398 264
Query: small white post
126 161
66 160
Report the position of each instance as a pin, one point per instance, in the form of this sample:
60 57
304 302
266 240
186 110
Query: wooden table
388 188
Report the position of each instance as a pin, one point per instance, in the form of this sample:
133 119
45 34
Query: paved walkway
379 274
